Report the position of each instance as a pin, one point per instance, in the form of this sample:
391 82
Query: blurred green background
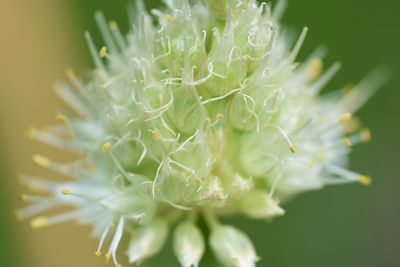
339 226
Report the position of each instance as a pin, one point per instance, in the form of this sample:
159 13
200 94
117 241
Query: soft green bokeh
343 226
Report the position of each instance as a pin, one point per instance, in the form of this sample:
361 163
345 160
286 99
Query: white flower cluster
202 114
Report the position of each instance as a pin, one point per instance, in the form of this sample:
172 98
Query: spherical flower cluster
201 111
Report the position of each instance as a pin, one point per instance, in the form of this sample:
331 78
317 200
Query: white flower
232 247
148 241
189 244
205 112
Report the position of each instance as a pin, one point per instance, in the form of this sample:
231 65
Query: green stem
211 219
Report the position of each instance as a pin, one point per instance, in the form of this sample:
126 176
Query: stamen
347 141
117 35
115 241
344 118
366 135
298 45
292 148
66 192
364 180
60 117
363 136
169 18
51 139
105 147
102 24
314 69
103 52
34 209
113 25
39 222
36 184
93 51
72 99
349 176
279 10
24 198
102 239
354 99
107 258
68 169
328 75
41 161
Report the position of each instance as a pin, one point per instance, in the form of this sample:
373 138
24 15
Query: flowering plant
205 113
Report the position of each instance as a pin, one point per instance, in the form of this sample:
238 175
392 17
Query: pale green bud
232 247
189 244
147 241
239 186
213 193
241 113
259 152
187 113
259 205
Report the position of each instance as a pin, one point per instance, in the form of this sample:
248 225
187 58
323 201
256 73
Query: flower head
204 113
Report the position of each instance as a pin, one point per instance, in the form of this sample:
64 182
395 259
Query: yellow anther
169 18
366 135
314 69
220 116
106 147
119 265
23 197
39 222
345 117
352 125
60 117
292 149
30 132
41 161
364 180
66 192
107 257
347 141
97 253
103 52
156 135
113 25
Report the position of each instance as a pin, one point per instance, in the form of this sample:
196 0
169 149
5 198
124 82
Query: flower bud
147 241
240 186
188 244
260 205
241 114
187 112
232 247
213 194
